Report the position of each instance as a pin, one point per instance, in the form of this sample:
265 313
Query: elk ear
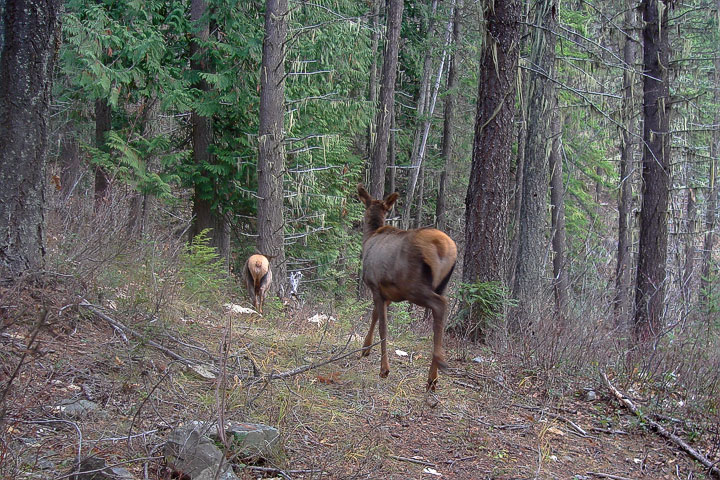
390 200
364 196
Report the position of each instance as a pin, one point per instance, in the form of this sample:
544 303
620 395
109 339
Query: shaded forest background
158 159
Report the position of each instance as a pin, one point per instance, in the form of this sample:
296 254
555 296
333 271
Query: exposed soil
488 419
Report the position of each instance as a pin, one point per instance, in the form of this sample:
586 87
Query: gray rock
590 396
96 468
252 440
190 451
78 409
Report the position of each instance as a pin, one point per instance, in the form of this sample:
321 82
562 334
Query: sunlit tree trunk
652 253
561 282
378 162
271 153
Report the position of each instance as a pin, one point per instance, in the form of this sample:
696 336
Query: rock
478 360
590 396
189 451
252 440
96 468
77 409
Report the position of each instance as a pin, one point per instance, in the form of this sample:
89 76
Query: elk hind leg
369 337
438 305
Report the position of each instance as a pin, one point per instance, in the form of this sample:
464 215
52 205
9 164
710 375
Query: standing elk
258 278
413 265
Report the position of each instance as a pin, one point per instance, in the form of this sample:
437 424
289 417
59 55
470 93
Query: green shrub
203 274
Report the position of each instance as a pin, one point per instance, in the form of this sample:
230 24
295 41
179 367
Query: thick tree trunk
707 273
103 124
561 283
530 279
623 278
652 253
450 102
378 163
27 54
271 152
206 216
487 196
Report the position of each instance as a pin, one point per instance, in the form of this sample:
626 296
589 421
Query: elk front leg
382 331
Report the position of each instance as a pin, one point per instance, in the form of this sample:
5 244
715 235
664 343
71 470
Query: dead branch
555 416
627 403
607 475
118 326
305 368
412 460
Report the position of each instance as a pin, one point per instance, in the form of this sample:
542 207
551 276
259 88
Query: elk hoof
384 372
365 352
431 385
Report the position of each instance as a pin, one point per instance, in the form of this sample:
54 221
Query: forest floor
488 419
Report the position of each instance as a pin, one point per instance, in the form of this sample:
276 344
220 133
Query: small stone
77 408
590 396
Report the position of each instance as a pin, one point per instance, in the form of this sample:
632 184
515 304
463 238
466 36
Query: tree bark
378 163
207 214
271 152
487 196
27 53
561 283
652 253
623 279
707 273
530 280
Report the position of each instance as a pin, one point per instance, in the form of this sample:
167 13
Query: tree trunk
206 215
392 153
689 253
450 102
271 152
487 196
707 275
428 111
70 161
652 253
623 279
103 124
420 195
373 87
378 162
561 283
530 280
27 53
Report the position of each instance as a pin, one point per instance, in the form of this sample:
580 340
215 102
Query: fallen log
627 403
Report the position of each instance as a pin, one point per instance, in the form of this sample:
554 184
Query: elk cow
413 265
258 278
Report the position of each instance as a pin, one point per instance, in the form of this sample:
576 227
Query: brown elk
413 265
258 278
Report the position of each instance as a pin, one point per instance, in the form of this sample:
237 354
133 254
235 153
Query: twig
555 416
305 368
412 460
283 473
608 475
711 468
122 328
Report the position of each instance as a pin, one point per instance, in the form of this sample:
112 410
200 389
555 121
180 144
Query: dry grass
512 415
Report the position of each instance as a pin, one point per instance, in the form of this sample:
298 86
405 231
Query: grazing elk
258 278
413 265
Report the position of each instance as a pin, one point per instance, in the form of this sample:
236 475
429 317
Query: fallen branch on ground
118 326
412 460
627 403
607 475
